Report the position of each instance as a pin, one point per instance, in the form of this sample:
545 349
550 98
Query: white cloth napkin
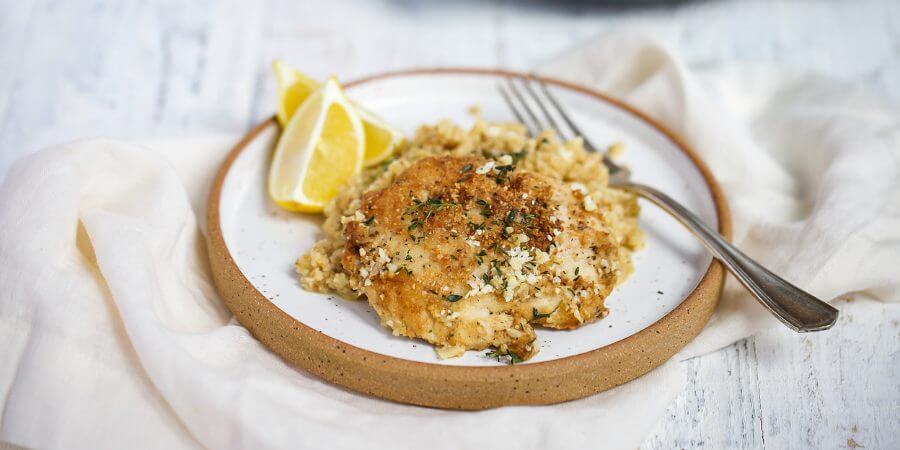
111 335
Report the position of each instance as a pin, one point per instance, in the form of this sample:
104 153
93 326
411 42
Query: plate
253 244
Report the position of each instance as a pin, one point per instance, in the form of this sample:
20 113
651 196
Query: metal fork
796 308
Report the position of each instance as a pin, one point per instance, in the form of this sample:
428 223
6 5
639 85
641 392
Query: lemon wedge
320 148
381 140
293 88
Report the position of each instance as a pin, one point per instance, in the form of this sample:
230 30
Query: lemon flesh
381 140
320 148
293 89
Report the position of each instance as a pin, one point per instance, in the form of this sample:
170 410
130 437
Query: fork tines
525 102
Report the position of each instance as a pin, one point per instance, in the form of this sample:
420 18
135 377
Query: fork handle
794 307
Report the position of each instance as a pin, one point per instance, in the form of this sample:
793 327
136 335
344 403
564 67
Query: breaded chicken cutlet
467 240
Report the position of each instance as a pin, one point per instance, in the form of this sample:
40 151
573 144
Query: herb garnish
466 168
431 205
503 173
453 298
485 207
517 156
511 216
513 358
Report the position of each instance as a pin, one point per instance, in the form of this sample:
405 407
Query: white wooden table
135 69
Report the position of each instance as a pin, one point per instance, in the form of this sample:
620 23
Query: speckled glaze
463 387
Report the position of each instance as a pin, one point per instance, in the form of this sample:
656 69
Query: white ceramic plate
265 240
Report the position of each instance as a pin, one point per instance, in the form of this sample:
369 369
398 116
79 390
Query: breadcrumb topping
467 239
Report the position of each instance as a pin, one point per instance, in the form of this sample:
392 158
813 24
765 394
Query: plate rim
464 387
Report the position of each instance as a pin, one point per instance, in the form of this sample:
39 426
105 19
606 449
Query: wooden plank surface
134 69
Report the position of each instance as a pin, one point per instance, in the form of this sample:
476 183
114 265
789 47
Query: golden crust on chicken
467 240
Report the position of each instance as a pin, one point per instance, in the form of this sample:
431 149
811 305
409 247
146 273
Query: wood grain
133 68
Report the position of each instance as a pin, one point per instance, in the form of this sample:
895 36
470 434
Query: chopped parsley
502 173
512 357
453 298
431 205
517 156
480 256
511 216
465 168
485 207
438 203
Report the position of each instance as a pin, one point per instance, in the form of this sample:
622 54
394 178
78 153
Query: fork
796 308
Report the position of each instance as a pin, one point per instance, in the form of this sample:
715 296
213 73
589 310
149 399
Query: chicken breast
467 253
469 240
